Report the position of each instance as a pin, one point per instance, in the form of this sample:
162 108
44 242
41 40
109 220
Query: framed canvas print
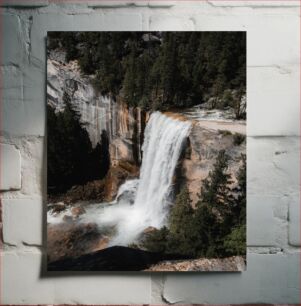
146 151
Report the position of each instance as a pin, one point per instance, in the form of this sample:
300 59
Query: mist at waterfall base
145 202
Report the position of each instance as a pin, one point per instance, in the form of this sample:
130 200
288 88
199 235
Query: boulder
77 211
117 175
71 239
149 230
58 207
199 158
102 244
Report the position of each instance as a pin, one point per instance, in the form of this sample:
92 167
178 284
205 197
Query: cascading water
145 202
164 138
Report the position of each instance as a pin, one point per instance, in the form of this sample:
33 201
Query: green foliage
216 227
180 225
241 202
235 242
225 133
214 209
215 190
71 158
156 241
238 139
206 231
227 98
161 70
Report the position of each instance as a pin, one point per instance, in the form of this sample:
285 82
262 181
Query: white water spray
145 202
164 138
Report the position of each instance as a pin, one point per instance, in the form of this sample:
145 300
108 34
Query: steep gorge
141 187
125 126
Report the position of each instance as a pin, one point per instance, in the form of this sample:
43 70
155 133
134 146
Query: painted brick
24 3
258 4
104 21
273 165
23 100
269 36
28 117
22 283
170 23
122 4
12 45
33 152
22 221
10 167
23 105
268 279
269 33
294 220
116 4
276 92
21 280
12 91
266 214
162 4
12 84
157 284
34 101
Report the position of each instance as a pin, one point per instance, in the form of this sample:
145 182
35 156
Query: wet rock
102 244
67 219
117 175
199 158
71 239
149 230
58 207
91 191
77 211
124 125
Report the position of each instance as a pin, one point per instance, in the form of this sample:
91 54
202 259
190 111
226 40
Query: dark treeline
216 227
160 70
71 158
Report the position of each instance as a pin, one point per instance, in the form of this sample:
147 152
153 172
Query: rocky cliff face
123 125
203 147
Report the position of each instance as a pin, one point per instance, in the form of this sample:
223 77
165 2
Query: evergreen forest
161 70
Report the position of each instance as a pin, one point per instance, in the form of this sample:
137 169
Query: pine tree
215 191
180 225
71 158
213 209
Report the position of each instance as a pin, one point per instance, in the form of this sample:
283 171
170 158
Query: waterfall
164 138
163 144
145 202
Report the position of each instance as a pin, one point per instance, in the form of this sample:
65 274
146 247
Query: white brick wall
273 152
10 167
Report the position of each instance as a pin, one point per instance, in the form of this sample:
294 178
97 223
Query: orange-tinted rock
102 244
117 175
71 239
77 211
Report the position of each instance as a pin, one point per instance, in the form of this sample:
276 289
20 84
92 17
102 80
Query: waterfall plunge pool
141 203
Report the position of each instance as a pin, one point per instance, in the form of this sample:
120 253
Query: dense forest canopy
161 70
